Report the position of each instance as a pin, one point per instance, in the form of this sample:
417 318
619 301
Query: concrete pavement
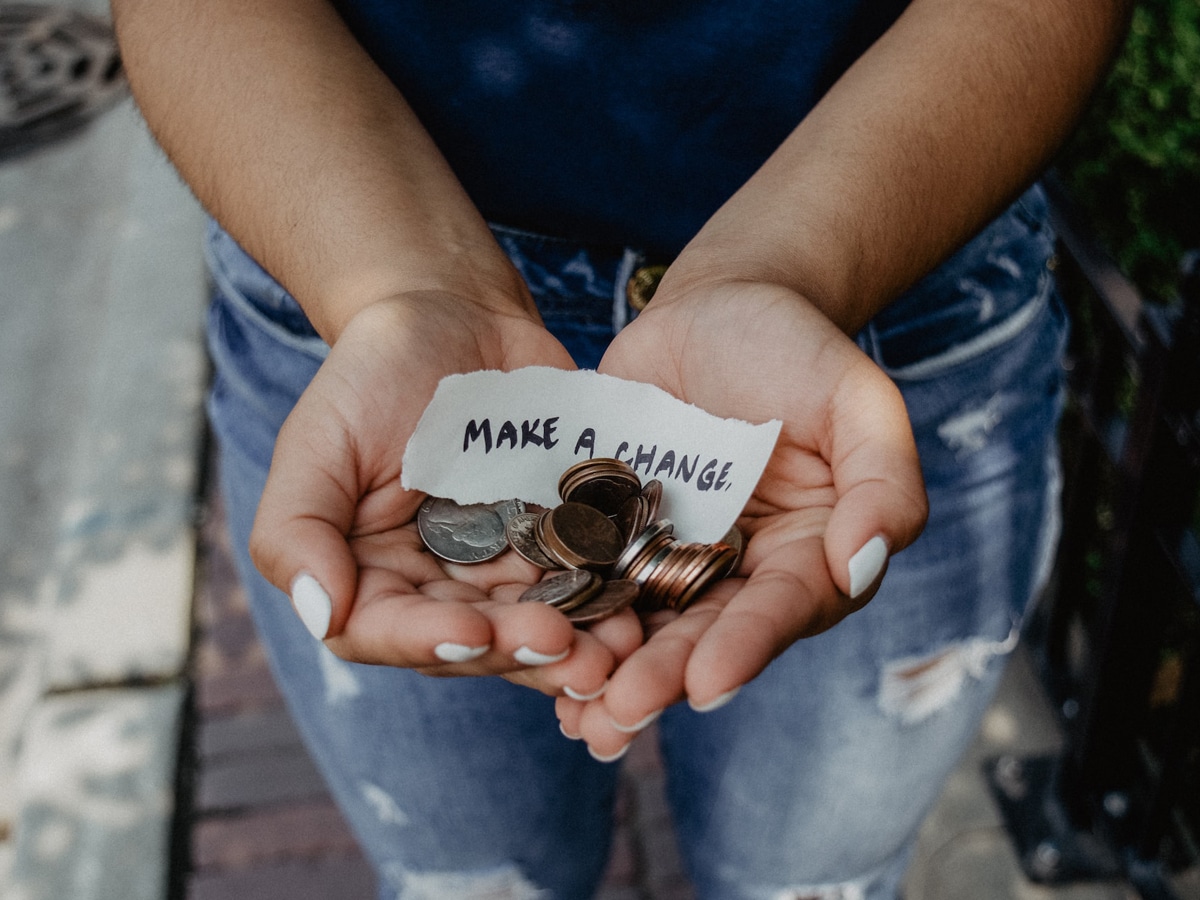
101 376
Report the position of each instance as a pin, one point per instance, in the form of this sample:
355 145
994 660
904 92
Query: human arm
944 121
295 141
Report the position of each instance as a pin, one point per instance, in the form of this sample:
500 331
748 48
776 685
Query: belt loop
630 260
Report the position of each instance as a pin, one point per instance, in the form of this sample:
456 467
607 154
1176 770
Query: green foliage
1134 164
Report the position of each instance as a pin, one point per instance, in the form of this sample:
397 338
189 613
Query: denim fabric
813 781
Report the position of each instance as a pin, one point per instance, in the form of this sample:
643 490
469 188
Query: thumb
882 505
298 541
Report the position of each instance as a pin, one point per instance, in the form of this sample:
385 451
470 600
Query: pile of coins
606 534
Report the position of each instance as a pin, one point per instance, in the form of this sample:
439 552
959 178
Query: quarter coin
461 533
465 533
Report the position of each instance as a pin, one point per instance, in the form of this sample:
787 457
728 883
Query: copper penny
581 536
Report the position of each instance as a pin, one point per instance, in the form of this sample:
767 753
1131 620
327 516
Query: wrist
469 289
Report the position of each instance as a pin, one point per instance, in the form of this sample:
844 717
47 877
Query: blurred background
144 752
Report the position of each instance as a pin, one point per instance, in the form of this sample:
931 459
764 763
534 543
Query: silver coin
523 539
561 589
465 533
629 555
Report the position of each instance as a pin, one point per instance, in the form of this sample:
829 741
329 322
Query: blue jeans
814 780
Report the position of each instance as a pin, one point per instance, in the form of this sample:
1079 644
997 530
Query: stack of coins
604 484
582 596
606 534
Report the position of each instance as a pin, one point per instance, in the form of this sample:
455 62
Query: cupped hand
841 493
336 530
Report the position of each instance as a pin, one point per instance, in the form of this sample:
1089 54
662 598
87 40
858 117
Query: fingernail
575 695
866 564
631 729
567 734
312 605
613 757
527 657
458 653
716 702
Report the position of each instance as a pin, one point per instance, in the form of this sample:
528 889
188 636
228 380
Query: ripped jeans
813 781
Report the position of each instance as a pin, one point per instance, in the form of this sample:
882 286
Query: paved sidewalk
102 371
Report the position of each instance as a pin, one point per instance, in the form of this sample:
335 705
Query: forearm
299 145
930 134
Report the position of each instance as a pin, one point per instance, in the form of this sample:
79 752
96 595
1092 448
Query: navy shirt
613 121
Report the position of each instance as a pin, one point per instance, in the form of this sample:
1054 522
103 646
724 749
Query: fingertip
584 697
450 652
715 703
313 563
866 565
607 757
869 525
312 604
527 656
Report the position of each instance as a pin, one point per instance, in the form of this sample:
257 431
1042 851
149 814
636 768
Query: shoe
59 69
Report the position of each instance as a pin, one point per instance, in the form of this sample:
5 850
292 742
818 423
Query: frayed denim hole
914 688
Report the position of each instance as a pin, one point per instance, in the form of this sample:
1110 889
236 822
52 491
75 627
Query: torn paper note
489 436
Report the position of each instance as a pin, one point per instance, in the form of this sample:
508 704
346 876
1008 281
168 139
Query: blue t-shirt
615 121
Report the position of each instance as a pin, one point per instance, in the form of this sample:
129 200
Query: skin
322 172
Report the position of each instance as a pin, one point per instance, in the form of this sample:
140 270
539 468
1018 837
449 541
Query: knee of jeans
504 882
913 688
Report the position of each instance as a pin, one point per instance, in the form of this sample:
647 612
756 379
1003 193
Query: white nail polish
527 657
610 758
866 564
312 605
632 729
458 653
575 695
716 702
567 734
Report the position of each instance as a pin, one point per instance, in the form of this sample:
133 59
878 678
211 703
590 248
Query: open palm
844 478
334 514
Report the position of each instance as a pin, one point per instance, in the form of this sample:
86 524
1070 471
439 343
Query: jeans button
640 288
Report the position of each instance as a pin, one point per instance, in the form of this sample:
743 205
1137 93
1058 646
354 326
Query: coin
465 533
580 536
653 492
616 596
720 559
735 539
634 551
522 538
603 484
633 517
560 590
